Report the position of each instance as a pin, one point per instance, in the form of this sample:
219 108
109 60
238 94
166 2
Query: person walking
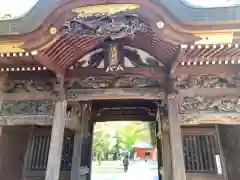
125 163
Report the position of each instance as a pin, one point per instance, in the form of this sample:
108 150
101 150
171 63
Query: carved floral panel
205 81
112 82
213 104
30 86
40 107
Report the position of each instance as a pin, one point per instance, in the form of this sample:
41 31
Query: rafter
44 60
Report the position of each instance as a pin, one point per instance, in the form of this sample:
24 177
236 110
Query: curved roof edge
187 15
29 21
211 4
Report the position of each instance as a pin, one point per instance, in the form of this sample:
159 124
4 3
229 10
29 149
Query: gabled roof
141 144
174 12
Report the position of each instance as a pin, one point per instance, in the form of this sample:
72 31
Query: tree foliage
5 16
112 137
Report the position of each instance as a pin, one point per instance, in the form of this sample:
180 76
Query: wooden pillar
167 166
91 128
221 153
55 151
3 79
178 166
159 141
77 149
77 155
78 141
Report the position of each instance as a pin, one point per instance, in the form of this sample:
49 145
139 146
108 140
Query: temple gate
82 62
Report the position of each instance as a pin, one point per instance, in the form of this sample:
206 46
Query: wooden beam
96 72
27 75
167 159
92 94
41 58
216 69
92 72
159 141
178 165
123 118
115 93
210 118
29 96
44 120
221 153
55 151
179 57
77 155
78 144
209 92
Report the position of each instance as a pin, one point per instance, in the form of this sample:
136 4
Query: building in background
144 150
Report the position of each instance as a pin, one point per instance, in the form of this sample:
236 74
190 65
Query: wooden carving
29 86
190 119
112 82
114 58
136 59
90 82
136 81
213 104
204 81
125 111
114 26
27 108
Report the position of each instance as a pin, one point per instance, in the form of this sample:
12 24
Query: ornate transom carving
115 26
30 86
112 82
205 81
27 108
94 59
210 104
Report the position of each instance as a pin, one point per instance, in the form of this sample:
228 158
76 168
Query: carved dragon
115 26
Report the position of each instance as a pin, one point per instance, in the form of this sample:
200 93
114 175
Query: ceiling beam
209 92
138 71
115 93
79 73
207 69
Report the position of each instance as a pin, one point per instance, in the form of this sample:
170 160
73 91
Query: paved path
137 170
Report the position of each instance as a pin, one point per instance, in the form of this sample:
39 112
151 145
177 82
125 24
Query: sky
212 3
19 7
16 7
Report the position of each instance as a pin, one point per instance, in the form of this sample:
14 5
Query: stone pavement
137 170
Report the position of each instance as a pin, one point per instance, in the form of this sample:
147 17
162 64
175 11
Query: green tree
133 132
117 146
5 16
102 144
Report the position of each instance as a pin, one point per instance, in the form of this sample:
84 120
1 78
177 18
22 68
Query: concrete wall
230 139
13 144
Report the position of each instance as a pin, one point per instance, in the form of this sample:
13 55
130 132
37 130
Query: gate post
167 166
58 125
55 151
178 166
